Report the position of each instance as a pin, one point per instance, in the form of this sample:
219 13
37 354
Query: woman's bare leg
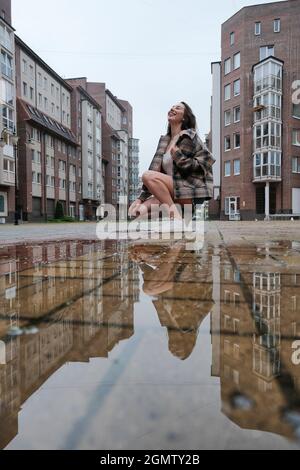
161 186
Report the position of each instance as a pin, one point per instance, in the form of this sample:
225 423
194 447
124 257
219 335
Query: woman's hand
134 208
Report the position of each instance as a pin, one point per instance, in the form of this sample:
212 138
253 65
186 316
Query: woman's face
176 114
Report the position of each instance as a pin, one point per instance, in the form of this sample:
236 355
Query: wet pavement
132 345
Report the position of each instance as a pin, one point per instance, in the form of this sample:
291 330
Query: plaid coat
192 167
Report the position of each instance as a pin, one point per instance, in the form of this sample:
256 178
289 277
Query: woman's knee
148 176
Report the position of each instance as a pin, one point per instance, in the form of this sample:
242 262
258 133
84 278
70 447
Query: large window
270 104
7 92
227 92
6 38
267 135
227 145
237 60
237 140
268 75
296 137
267 165
266 51
232 39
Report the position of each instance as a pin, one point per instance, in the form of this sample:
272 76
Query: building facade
87 127
258 107
8 114
49 163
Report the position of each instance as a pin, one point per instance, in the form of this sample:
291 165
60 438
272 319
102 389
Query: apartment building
8 114
87 127
256 93
49 161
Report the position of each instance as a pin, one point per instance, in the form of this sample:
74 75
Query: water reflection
72 302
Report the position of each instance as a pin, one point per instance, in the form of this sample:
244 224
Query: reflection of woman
181 170
182 285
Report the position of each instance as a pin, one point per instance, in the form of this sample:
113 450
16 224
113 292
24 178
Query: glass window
296 137
6 65
236 167
237 114
266 51
227 168
296 164
227 143
227 66
8 117
237 87
277 26
232 39
227 92
296 111
237 60
227 118
7 92
237 140
257 28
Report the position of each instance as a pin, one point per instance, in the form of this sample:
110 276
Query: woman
181 170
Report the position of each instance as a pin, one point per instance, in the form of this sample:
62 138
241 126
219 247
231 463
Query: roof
33 114
267 58
43 64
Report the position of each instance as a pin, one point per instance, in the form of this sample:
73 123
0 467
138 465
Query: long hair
189 119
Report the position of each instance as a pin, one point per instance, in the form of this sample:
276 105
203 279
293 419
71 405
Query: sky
152 53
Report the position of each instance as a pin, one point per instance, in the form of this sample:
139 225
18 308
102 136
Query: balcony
267 167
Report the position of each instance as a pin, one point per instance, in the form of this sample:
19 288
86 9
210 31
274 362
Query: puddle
106 345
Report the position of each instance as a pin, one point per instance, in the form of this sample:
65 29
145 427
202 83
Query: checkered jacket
192 167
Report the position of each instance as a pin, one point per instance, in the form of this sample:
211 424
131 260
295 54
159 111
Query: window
40 79
296 165
232 39
6 64
24 68
24 89
40 99
45 103
296 137
31 71
237 140
237 87
8 117
31 93
45 83
277 26
237 60
257 28
227 145
267 164
227 118
236 167
227 66
266 51
268 75
227 92
227 171
267 135
237 114
296 111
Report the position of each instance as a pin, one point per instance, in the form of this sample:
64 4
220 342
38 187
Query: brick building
255 100
49 162
87 127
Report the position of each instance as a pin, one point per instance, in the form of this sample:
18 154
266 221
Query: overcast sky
152 53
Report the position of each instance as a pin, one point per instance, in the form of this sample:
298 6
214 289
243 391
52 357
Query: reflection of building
255 96
81 300
8 112
258 328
